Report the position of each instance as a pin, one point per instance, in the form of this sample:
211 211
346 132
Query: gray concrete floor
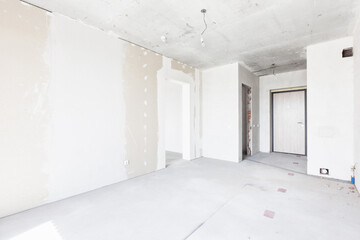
291 162
201 199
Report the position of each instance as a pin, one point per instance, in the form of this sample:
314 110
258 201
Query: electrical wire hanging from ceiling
203 11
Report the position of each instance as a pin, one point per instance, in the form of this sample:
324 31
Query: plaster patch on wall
24 107
140 94
183 68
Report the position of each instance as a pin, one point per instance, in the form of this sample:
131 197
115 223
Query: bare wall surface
330 109
268 83
357 101
76 103
220 113
24 107
89 109
173 118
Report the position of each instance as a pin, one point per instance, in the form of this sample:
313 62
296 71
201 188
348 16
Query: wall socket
324 171
126 162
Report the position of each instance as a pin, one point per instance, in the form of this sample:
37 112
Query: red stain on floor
283 190
291 174
269 214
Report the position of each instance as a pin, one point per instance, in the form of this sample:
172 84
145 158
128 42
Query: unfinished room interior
162 120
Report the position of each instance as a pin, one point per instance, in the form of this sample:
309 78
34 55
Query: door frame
241 116
299 89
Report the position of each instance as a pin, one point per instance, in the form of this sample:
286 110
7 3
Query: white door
289 122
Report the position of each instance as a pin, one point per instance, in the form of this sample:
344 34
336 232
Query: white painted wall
357 102
173 117
250 80
330 109
268 83
220 113
88 109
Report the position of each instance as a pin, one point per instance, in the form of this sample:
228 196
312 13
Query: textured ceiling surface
256 33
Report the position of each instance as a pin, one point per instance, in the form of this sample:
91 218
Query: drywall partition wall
173 117
273 82
357 102
88 122
220 113
24 107
140 95
77 104
330 80
248 79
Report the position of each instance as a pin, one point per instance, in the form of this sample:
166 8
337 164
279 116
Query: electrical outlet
324 171
126 162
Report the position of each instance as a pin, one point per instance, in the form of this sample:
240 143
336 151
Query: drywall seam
140 93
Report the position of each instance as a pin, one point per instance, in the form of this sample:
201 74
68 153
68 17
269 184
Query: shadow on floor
173 158
291 162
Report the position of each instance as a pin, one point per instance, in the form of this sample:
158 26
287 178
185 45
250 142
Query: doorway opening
177 121
289 121
287 131
246 109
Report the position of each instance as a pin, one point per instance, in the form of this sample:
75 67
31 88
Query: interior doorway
246 109
289 122
177 121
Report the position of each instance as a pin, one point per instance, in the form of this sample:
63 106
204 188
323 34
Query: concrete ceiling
256 33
